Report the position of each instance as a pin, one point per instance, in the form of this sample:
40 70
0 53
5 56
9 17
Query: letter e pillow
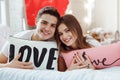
101 57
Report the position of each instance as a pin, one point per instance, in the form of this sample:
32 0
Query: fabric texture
79 74
101 57
93 42
27 34
43 54
24 38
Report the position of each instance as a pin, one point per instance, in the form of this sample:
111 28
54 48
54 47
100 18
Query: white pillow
43 54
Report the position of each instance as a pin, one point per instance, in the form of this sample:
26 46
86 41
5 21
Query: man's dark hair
48 10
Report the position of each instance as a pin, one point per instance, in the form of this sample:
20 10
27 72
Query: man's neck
35 37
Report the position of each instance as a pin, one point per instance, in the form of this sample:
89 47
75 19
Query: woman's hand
88 62
15 63
85 60
77 63
80 62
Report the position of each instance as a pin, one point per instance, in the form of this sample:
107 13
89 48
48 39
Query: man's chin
45 39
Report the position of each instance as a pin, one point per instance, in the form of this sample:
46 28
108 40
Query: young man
46 22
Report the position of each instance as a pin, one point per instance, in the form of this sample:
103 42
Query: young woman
69 36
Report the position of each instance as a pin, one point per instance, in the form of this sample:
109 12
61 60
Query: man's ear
35 22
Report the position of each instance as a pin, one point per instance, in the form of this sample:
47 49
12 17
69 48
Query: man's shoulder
24 34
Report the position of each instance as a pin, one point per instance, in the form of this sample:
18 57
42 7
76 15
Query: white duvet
81 74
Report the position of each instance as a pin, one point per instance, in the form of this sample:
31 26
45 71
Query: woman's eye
67 30
53 25
60 34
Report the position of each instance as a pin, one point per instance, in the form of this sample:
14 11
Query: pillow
101 57
43 54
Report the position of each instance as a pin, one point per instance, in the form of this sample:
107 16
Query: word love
103 62
37 55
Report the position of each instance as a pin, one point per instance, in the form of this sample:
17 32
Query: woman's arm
61 64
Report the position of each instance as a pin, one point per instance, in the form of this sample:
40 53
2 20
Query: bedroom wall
79 9
103 14
16 15
2 12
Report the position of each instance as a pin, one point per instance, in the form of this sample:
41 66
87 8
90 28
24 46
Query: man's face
46 26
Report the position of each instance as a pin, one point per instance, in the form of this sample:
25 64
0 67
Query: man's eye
43 22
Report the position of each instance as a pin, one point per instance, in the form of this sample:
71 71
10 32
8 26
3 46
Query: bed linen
80 74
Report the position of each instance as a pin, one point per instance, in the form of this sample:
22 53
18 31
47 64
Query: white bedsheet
81 74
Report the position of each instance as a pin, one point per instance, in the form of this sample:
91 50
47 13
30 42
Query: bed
112 73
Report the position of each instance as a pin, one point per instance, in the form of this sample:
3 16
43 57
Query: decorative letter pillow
43 54
101 57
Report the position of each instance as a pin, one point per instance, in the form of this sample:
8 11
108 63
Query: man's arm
14 63
3 58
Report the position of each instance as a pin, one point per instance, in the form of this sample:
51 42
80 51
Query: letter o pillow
101 57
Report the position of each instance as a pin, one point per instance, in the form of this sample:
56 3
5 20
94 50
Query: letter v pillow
101 57
43 54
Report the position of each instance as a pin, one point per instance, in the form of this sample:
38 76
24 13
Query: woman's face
66 36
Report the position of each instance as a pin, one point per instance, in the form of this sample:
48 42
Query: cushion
43 54
101 57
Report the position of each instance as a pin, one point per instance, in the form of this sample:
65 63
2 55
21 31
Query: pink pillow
101 57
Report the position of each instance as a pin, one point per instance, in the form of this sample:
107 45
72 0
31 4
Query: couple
68 35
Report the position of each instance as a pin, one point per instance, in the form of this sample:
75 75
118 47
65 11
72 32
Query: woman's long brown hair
71 22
